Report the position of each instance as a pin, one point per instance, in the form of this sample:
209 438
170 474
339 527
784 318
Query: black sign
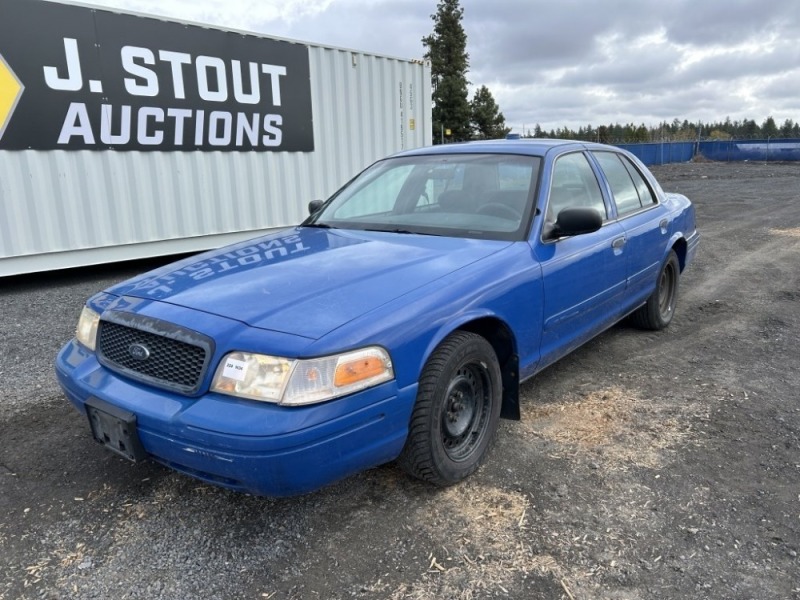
76 78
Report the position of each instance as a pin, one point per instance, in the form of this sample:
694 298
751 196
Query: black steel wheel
458 407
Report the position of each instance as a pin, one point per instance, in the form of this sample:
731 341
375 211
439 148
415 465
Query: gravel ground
646 465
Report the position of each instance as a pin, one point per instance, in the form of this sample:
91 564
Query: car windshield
486 196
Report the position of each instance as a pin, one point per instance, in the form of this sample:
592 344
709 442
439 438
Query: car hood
305 281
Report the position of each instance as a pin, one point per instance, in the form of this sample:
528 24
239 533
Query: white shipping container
75 206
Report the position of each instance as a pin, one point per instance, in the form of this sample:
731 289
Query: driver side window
574 185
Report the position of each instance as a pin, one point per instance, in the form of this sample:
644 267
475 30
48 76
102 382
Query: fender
481 322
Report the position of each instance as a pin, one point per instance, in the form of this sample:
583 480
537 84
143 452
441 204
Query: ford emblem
139 351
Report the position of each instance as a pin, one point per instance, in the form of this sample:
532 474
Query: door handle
663 225
618 243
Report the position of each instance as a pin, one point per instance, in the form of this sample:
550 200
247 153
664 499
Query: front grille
175 358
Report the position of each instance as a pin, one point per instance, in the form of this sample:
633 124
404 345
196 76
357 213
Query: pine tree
750 129
488 122
768 128
447 51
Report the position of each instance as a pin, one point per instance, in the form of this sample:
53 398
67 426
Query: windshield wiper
319 225
403 231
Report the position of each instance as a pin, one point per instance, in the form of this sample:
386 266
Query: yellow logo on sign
10 91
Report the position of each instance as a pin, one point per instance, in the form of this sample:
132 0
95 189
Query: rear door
645 221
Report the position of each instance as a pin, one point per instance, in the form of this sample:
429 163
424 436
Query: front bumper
245 445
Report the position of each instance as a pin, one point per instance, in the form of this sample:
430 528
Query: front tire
455 418
657 313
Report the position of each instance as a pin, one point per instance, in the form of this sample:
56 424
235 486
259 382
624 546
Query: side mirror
314 206
577 221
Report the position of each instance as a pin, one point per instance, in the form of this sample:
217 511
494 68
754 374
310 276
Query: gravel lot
646 465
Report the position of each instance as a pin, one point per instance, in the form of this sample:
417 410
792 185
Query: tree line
675 131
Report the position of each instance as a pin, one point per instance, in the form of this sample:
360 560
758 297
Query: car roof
530 146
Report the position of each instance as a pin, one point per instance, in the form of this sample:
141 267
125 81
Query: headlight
87 327
296 382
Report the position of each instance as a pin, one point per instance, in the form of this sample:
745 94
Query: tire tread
416 457
648 316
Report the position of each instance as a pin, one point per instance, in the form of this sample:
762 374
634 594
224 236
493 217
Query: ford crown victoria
396 322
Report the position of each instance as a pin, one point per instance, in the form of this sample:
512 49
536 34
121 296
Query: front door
585 275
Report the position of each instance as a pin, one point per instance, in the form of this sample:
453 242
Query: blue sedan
397 322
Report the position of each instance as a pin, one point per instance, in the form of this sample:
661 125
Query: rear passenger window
626 196
646 196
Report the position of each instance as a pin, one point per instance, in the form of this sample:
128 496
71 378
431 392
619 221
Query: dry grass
490 551
792 232
617 425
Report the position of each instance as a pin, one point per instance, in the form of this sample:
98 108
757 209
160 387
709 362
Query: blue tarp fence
660 153
766 150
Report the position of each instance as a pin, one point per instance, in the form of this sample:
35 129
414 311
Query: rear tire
454 422
657 313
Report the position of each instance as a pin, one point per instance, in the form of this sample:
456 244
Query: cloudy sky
570 62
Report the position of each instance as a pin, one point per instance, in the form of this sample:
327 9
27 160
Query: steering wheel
497 209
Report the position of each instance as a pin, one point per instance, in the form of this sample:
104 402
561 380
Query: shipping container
126 136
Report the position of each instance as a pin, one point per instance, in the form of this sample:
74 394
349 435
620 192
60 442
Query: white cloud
570 62
234 14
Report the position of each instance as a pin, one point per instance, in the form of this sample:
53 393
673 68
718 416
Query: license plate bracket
115 428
